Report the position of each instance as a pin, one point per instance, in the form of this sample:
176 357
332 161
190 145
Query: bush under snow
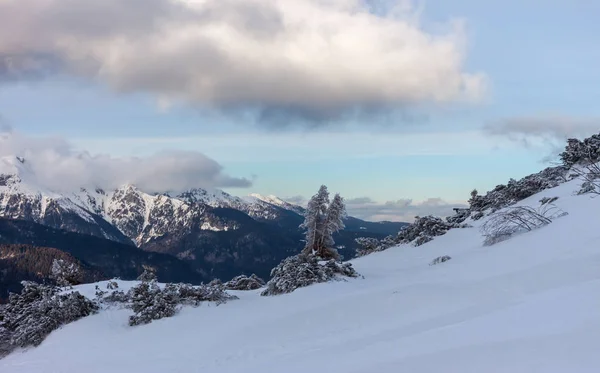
244 282
440 259
304 270
149 302
517 190
369 245
37 311
423 230
66 274
507 222
148 275
581 152
192 295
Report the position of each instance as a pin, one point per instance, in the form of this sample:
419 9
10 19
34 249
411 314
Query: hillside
526 304
34 263
107 258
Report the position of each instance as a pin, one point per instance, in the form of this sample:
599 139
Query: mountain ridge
216 232
105 258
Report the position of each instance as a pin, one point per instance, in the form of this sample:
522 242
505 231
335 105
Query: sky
403 107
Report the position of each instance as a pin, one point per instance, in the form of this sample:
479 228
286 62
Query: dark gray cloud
233 55
58 166
28 67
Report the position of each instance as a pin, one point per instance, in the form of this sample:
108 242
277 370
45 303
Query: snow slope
529 304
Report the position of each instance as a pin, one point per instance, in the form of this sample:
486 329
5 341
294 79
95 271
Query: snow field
528 304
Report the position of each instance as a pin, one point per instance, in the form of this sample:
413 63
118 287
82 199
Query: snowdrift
527 304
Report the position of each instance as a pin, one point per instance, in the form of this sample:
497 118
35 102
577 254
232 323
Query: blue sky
540 60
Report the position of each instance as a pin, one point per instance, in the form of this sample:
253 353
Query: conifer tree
65 274
334 222
314 218
322 220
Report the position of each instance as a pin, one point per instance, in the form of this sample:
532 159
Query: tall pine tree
321 220
313 219
334 221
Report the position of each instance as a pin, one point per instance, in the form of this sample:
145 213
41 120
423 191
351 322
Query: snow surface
529 304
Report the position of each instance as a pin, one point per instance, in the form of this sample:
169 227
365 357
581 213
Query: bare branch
505 223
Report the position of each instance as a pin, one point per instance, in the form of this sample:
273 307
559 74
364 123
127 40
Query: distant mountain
383 227
28 201
105 257
274 201
220 235
33 263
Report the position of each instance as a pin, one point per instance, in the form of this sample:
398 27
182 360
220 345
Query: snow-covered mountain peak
274 200
211 197
126 213
128 187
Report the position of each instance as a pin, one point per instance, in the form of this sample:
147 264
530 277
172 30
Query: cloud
312 59
547 129
57 166
403 210
4 125
359 201
297 200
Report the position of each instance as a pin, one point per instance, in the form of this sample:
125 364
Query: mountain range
214 233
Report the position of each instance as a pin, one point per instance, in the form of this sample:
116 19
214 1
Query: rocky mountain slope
104 258
34 263
217 233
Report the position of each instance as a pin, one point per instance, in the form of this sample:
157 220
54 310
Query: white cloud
57 166
544 128
316 59
403 210
297 200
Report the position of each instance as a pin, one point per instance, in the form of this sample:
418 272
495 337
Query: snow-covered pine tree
334 222
65 274
37 311
304 270
149 302
314 219
244 282
367 245
148 275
